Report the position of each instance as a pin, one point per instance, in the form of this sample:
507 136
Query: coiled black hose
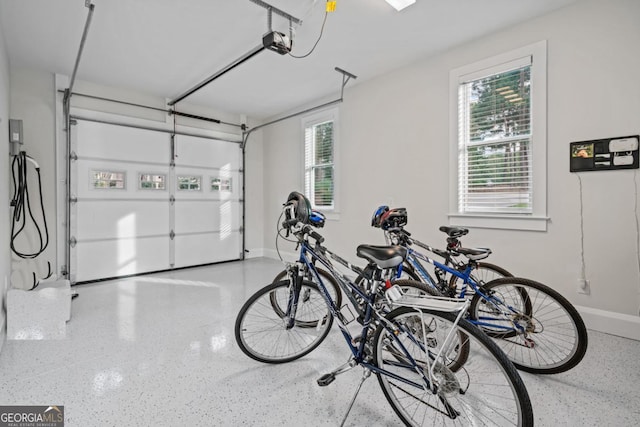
22 205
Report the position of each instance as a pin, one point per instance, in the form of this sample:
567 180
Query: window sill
503 222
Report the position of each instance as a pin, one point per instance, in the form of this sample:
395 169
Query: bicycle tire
556 338
487 391
261 333
327 279
462 348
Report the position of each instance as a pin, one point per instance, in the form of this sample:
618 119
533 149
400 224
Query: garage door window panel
103 179
151 181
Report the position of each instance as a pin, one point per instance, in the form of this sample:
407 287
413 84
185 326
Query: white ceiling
165 47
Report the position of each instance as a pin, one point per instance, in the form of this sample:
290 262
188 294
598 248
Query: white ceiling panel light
400 4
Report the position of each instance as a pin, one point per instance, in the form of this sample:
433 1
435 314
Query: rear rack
432 303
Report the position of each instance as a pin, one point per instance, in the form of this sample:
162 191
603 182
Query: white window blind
495 140
319 164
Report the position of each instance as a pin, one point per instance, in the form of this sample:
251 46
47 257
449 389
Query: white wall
394 146
33 102
5 218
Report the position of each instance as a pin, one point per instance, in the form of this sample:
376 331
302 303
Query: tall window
319 162
500 141
494 141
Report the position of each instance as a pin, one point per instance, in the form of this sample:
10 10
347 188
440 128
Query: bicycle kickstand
366 373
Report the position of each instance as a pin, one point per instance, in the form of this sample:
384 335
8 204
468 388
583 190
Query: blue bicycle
434 367
538 329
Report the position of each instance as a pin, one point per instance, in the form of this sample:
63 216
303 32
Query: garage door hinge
73 242
73 156
172 235
172 199
73 122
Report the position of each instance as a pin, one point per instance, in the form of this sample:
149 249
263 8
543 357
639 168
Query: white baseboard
270 253
623 325
254 253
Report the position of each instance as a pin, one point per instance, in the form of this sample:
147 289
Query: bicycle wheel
483 273
330 283
486 391
261 333
545 334
460 353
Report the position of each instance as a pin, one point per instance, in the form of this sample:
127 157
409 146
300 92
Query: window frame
221 182
198 177
92 180
312 120
140 181
537 219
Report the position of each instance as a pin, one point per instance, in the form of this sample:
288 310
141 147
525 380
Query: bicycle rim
261 332
551 336
486 391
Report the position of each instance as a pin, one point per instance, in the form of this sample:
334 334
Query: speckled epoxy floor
160 350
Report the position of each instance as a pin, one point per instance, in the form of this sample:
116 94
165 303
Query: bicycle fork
296 277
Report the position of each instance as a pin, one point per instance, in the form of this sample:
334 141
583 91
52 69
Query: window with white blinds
499 134
495 141
319 172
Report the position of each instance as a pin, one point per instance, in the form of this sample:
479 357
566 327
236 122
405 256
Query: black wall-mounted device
604 154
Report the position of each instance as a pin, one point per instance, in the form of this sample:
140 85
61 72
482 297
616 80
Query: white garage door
135 211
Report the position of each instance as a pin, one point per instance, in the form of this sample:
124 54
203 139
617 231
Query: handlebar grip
317 237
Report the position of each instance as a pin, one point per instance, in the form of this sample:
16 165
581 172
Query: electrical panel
15 136
604 154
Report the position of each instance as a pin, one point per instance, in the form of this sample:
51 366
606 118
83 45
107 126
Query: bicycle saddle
382 256
474 254
454 231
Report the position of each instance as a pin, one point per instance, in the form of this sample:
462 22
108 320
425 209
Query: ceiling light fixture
400 4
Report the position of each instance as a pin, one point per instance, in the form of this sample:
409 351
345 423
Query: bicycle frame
306 260
414 257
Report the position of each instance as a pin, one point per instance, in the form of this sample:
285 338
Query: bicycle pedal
326 379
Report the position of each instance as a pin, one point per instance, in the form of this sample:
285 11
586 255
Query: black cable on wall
22 206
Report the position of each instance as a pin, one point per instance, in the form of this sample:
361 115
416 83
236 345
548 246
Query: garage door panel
122 143
214 184
132 187
108 219
121 257
196 151
199 216
207 248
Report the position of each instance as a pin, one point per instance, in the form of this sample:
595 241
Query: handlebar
316 236
304 230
